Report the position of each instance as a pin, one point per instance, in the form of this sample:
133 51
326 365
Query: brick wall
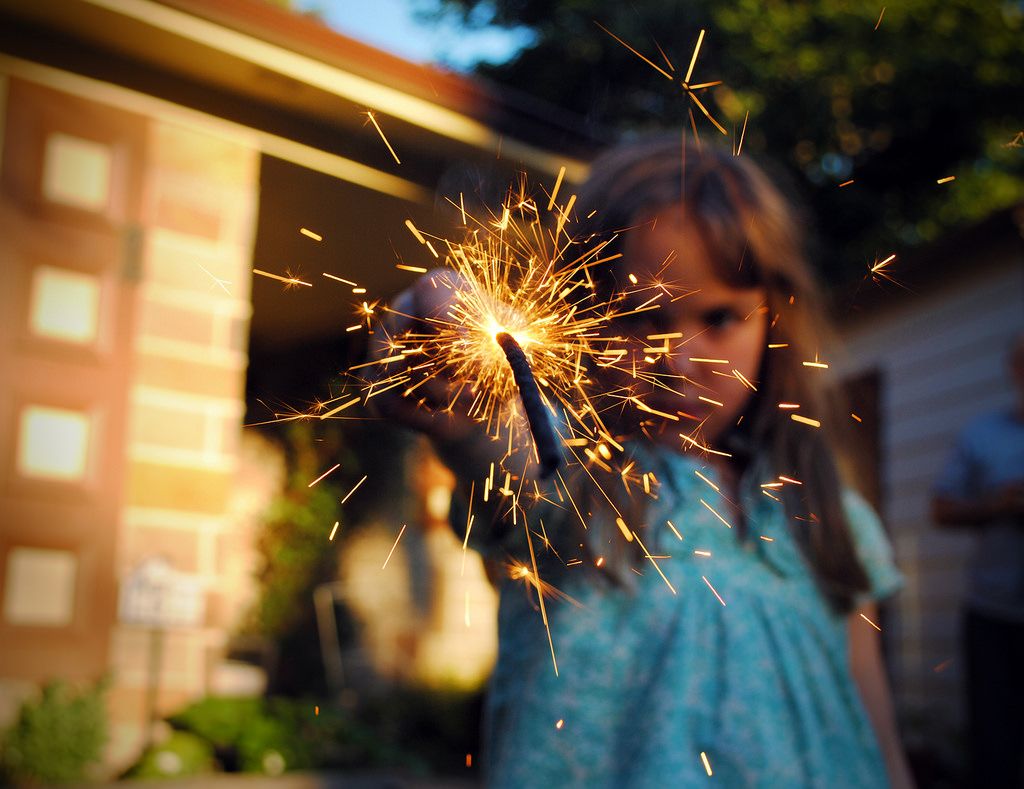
186 402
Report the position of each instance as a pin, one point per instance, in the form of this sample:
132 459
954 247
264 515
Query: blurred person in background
982 488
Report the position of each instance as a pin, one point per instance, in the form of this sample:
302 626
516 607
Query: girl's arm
869 672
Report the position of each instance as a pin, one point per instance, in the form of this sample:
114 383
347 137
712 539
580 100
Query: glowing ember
373 119
871 623
713 589
287 280
391 552
332 468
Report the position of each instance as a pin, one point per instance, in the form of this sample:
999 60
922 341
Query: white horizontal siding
943 362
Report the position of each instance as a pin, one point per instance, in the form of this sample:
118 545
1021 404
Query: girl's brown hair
754 237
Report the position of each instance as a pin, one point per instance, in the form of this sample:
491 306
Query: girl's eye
720 317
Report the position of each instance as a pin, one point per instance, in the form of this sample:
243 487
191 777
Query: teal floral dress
758 681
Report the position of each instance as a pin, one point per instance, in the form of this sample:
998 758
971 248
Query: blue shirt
649 680
988 455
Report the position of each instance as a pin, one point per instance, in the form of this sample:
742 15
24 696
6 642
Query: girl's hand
428 408
437 407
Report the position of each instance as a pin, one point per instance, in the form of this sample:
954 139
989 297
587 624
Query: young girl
746 656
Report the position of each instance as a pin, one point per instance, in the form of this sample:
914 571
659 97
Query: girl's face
715 319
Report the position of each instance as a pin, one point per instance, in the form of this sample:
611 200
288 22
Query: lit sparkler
539 419
522 305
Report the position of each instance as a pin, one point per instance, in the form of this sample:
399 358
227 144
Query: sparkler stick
544 437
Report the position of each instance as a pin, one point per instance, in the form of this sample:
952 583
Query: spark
871 623
946 180
279 278
713 512
816 363
743 380
702 553
469 760
767 539
879 22
400 533
789 405
743 132
339 279
332 468
316 710
347 495
310 234
675 531
554 191
693 60
341 407
413 269
334 531
560 724
540 598
222 283
708 361
805 420
845 183
707 764
713 589
415 231
624 529
650 63
465 540
712 484
790 480
688 89
878 269
675 335
709 400
373 119
647 554
774 345
1016 142
856 417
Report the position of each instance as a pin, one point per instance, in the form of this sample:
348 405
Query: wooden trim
168 112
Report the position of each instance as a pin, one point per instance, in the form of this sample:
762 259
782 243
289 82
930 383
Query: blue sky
391 25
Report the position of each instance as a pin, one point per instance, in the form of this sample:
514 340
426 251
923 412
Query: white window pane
53 443
65 305
77 172
40 587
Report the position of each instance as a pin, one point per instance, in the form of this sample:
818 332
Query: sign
156 595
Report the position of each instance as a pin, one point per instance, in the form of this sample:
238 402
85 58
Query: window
53 443
76 172
40 587
64 305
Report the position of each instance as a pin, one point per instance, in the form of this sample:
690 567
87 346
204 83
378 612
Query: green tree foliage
296 554
295 557
933 89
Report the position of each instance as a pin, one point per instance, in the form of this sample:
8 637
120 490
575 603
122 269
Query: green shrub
182 754
278 734
56 736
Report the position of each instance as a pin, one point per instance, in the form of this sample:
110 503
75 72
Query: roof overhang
268 55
